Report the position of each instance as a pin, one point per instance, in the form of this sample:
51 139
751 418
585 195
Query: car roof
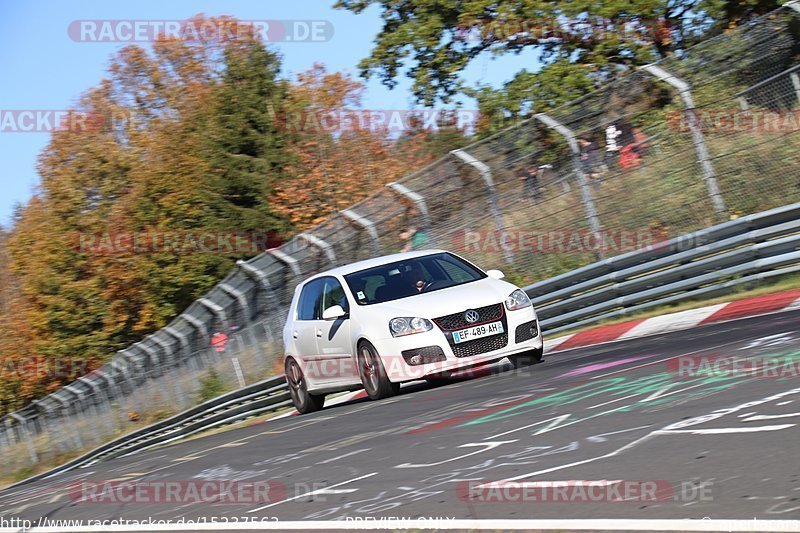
376 261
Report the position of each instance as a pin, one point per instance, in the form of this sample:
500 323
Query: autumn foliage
190 140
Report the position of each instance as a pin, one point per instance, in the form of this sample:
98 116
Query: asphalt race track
625 414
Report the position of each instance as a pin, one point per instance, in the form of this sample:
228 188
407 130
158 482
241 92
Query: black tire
373 374
303 401
531 357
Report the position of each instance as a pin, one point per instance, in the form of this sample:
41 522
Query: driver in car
416 277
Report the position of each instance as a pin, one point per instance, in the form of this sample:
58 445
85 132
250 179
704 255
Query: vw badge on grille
472 316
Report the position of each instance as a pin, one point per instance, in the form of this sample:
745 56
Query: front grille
430 354
457 320
526 331
479 346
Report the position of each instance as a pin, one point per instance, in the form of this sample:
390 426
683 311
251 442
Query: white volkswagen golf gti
402 317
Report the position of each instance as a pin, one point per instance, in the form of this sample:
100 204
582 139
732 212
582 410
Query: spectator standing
591 163
635 144
613 133
531 183
415 239
219 340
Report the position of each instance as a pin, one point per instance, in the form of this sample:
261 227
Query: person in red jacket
219 340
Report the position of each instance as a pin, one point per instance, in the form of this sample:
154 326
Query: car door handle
319 333
295 335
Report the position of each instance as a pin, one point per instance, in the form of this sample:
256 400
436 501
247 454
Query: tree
248 147
580 44
335 161
180 142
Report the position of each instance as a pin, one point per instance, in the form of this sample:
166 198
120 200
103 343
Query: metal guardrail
709 262
265 396
674 187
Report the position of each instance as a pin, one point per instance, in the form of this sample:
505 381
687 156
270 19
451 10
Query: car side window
309 303
333 294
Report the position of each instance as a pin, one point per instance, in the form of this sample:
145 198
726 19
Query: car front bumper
395 352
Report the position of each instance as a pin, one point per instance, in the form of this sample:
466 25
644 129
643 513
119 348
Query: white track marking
552 344
332 459
313 492
722 431
597 438
556 420
614 400
663 392
668 430
486 447
672 322
769 417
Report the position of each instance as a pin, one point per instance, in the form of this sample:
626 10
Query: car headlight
517 300
409 325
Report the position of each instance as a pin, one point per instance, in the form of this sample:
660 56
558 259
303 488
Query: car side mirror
333 312
495 274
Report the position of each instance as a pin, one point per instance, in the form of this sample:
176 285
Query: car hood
442 302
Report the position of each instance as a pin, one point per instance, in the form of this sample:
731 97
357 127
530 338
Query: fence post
76 437
219 311
152 355
286 259
417 198
698 138
486 173
321 244
135 362
165 347
242 299
181 337
368 225
96 390
583 183
180 395
27 436
87 407
197 324
261 278
215 308
795 4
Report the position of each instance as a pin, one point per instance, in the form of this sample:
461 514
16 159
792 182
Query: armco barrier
684 179
264 396
705 263
754 247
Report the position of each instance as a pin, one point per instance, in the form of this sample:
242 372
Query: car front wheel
531 357
303 401
373 374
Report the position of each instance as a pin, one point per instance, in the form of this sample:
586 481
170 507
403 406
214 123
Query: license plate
476 332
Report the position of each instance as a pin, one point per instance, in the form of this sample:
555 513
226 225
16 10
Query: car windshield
409 277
